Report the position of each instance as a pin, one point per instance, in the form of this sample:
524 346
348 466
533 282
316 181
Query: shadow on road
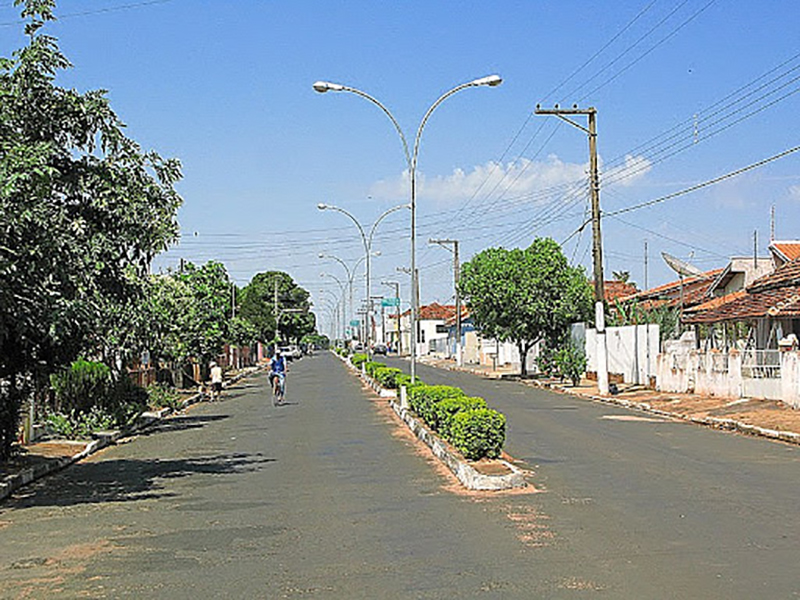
182 423
126 480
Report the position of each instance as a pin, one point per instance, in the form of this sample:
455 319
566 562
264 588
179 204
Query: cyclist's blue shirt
278 365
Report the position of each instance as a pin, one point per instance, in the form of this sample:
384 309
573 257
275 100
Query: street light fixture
411 162
367 241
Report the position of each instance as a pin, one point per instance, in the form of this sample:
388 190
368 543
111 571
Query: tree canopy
83 210
258 303
525 296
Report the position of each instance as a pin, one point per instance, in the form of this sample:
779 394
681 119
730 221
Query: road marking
633 418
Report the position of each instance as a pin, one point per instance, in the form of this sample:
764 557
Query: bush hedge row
466 422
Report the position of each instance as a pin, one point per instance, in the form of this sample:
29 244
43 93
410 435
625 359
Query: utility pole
755 249
456 276
276 310
597 246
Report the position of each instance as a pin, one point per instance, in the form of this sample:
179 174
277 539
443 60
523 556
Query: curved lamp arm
326 86
383 216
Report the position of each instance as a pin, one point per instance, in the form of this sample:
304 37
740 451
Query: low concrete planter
469 477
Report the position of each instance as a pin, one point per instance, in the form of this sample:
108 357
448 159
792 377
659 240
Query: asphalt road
327 498
667 508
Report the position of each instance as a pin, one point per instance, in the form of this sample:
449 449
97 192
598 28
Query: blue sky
686 91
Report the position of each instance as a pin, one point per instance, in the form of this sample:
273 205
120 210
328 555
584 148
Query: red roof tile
436 312
618 289
744 304
670 294
786 250
788 274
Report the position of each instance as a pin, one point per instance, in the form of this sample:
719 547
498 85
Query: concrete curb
713 422
102 440
469 477
466 474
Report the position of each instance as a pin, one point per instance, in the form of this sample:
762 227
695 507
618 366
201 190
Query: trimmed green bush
478 433
447 408
371 366
387 377
403 379
571 362
358 358
423 400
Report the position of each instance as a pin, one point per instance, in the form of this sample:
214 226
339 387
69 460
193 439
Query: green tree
525 296
83 211
260 297
205 322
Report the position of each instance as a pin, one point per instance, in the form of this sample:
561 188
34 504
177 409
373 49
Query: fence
768 374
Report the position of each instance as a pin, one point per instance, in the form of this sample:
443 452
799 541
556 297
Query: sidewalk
767 418
47 456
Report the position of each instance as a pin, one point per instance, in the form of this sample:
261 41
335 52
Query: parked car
380 349
291 352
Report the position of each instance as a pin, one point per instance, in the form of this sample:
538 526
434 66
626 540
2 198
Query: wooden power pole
597 244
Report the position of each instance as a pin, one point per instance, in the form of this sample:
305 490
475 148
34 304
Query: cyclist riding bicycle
277 370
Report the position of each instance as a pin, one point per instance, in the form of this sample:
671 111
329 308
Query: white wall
716 373
632 351
428 332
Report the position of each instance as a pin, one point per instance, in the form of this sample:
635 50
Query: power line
704 184
93 12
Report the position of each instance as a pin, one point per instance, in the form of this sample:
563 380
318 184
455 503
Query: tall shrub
82 385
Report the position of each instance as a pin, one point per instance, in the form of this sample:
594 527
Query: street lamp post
350 274
336 307
367 241
341 288
411 162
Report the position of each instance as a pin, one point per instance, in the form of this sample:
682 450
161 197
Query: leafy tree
525 296
258 301
83 211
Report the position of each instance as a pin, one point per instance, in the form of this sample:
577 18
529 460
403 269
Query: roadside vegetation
526 296
84 211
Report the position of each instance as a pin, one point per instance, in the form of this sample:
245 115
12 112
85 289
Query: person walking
216 381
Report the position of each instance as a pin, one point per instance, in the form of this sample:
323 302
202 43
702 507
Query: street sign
390 302
355 323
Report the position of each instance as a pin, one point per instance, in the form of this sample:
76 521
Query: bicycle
278 388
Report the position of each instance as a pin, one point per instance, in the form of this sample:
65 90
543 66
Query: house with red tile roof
431 328
749 345
770 305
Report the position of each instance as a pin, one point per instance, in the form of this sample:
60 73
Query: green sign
355 323
390 302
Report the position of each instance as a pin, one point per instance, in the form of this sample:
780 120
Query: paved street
328 498
688 511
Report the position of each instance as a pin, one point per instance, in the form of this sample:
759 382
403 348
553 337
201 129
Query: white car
291 352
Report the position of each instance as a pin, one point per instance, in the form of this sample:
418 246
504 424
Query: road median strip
468 475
